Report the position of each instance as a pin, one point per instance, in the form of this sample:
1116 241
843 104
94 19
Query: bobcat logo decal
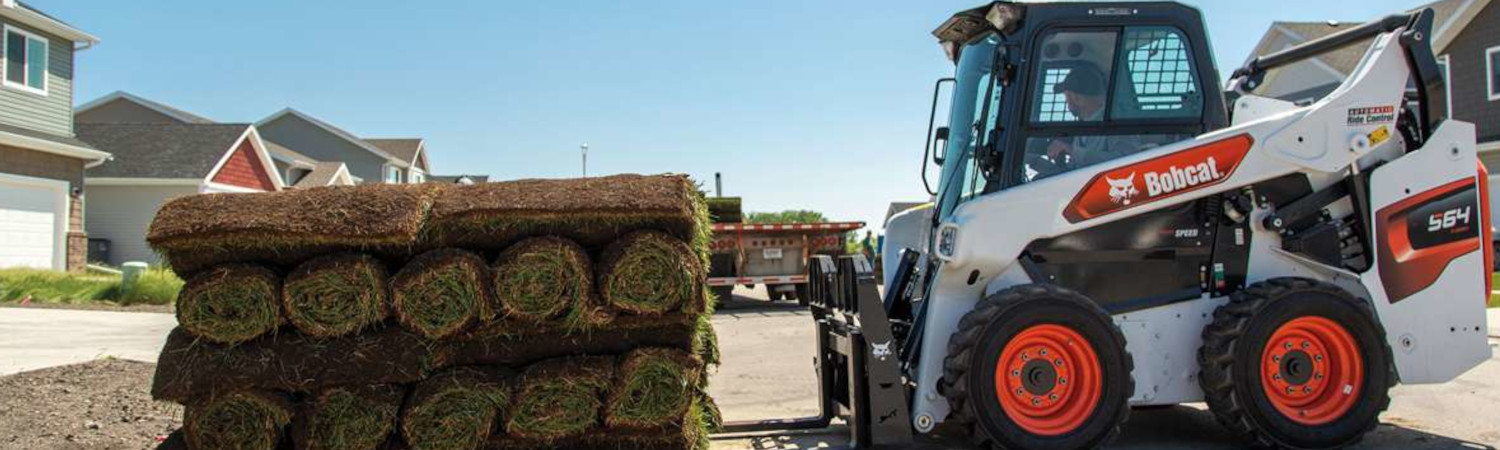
1121 191
881 351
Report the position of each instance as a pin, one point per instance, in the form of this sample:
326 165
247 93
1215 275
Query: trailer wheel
722 294
1038 366
1296 363
804 294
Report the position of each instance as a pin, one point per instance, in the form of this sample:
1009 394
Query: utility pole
585 148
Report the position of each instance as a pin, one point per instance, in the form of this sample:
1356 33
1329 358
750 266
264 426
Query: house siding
122 214
122 111
311 140
1471 101
244 169
52 113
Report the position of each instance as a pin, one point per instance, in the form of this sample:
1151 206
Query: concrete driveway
35 338
767 373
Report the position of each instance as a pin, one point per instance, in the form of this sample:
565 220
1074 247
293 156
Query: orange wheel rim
1048 380
1312 371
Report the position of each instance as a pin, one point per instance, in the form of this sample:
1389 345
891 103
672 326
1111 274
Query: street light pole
585 148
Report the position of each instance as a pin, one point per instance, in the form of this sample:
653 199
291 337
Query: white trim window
1492 72
392 174
26 57
416 176
1442 61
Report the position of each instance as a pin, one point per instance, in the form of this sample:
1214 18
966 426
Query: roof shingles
165 151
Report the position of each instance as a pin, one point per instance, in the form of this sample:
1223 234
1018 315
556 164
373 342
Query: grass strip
337 295
542 278
655 387
242 420
231 304
349 418
651 273
561 398
455 410
442 292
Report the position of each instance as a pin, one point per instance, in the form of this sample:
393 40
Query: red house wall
244 169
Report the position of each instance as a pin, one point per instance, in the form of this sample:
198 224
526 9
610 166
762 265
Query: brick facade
31 163
245 169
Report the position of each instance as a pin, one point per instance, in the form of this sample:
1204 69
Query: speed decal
1158 178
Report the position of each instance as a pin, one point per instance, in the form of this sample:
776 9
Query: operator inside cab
1084 91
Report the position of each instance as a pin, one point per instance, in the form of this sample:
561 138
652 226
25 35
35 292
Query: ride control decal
1158 178
1371 115
1420 235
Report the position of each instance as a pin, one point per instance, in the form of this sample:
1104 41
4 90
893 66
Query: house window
417 177
1492 71
26 57
1447 83
392 174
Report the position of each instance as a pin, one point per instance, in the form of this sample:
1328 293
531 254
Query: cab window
1157 79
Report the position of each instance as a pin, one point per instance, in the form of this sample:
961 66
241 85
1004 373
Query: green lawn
155 287
1495 299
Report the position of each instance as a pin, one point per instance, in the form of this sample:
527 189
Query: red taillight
1486 237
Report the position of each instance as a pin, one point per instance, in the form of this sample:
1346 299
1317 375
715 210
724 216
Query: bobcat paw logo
881 351
1121 191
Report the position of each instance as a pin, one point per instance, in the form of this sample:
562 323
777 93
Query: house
367 160
42 162
1467 44
124 107
154 162
458 179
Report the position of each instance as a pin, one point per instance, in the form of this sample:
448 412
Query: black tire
722 294
974 351
804 294
774 294
1233 353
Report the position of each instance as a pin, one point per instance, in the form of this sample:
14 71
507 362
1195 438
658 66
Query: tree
788 216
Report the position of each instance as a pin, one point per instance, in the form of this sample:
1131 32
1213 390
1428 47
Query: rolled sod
287 227
651 273
230 304
543 278
337 295
656 386
455 410
560 398
442 292
348 418
243 420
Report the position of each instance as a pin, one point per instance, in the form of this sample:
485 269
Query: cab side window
1073 72
1157 79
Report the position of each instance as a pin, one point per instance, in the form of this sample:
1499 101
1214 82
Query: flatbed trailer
774 255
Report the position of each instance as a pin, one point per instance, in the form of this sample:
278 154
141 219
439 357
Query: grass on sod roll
542 278
442 292
651 273
242 420
456 409
231 304
337 295
350 418
655 388
560 398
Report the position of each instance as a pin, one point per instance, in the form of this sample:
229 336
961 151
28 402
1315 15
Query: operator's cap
1082 80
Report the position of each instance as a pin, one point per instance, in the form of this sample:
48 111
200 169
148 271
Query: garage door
31 216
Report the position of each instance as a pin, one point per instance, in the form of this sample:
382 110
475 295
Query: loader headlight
947 242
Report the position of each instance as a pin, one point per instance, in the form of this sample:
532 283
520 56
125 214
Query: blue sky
800 104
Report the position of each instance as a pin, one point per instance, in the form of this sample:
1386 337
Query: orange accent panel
1485 224
1403 269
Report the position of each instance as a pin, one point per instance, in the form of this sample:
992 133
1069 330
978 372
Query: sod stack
524 314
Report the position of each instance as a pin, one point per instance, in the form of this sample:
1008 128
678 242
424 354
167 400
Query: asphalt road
767 373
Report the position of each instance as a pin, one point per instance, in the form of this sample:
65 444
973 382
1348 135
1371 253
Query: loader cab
1042 89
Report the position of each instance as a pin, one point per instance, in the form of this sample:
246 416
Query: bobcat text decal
1158 178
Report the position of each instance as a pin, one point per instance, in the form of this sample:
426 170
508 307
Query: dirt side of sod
284 228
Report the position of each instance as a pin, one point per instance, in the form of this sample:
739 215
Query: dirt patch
102 404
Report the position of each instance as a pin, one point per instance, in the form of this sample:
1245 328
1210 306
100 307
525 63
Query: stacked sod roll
524 314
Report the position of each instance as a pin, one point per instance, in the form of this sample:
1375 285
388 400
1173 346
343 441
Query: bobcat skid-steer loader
1109 232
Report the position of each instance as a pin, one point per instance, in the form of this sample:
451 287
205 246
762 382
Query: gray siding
52 113
123 111
318 144
123 213
1471 101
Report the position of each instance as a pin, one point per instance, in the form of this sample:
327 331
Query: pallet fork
858 365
